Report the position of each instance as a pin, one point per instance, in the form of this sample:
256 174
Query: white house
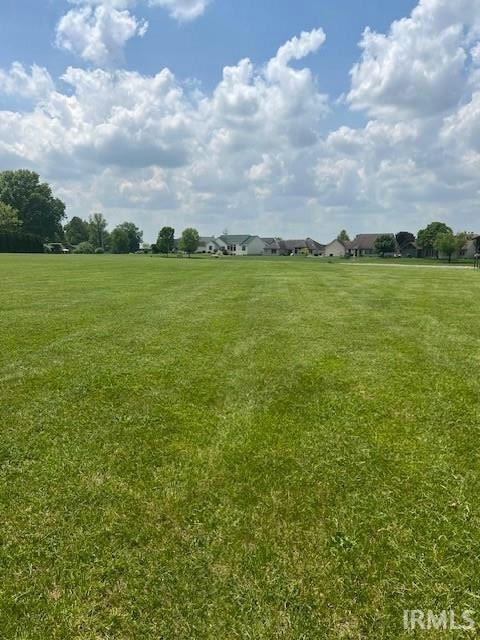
207 245
241 245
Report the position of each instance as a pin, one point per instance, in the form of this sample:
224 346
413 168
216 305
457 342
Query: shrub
99 250
84 247
15 242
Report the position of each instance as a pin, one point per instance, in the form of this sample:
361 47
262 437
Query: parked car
56 247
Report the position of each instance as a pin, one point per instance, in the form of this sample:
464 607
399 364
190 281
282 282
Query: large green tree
189 241
135 236
97 231
9 220
385 243
76 230
426 237
166 240
120 242
39 211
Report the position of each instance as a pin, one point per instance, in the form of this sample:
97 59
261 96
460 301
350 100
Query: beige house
468 251
336 249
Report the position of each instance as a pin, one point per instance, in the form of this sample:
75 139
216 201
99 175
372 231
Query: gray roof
308 243
237 239
366 240
291 245
313 245
204 240
272 243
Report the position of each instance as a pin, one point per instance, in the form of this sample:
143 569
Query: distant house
293 247
468 250
314 247
364 244
241 245
207 245
336 249
301 247
272 247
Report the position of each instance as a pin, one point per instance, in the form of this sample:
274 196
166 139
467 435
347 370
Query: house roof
237 239
313 245
204 240
366 240
271 243
294 244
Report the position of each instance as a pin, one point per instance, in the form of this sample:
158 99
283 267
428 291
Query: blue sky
296 146
227 32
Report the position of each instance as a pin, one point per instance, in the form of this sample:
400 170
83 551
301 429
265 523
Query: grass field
222 449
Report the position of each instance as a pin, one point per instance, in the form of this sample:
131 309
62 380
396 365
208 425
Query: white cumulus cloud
418 68
98 34
17 81
98 30
183 10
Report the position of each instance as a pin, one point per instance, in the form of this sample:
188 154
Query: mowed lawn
235 448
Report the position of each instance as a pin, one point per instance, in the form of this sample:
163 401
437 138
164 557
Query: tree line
31 215
92 235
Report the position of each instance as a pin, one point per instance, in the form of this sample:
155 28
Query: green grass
415 261
221 449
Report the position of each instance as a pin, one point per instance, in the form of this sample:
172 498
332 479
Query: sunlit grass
235 448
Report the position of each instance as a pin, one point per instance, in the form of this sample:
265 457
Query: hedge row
13 242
